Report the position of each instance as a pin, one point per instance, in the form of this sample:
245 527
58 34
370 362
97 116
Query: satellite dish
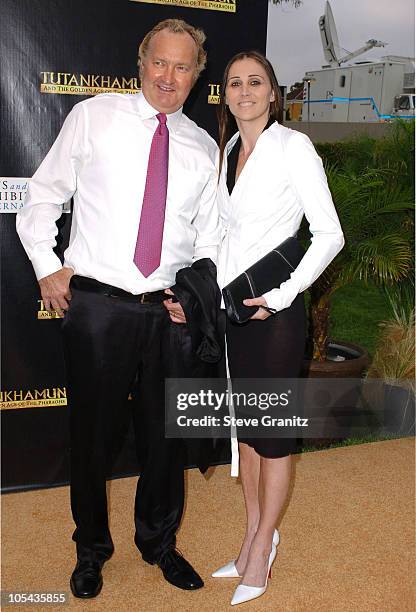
329 36
330 42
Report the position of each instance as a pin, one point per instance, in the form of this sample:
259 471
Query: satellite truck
365 91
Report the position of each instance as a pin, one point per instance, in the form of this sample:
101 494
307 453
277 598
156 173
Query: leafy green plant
375 207
350 156
396 152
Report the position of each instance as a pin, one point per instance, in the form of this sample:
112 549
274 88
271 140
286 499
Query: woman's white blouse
282 180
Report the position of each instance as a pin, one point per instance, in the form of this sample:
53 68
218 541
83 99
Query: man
143 179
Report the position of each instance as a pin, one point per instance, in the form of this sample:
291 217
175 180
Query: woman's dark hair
226 121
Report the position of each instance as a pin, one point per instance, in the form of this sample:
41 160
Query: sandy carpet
347 539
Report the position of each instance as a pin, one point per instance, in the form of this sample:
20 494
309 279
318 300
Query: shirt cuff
46 264
281 298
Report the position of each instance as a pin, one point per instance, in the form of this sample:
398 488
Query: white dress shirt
282 180
100 158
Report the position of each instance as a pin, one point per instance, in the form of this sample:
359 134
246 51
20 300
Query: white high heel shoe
245 593
229 570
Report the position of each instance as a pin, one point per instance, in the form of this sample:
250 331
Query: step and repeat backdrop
55 53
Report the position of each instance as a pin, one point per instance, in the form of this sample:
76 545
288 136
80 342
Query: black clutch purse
268 273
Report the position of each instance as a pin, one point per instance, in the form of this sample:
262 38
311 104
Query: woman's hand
263 311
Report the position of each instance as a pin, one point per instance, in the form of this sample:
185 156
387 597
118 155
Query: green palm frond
351 194
384 259
391 197
398 206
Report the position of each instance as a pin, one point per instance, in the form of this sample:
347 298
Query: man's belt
90 284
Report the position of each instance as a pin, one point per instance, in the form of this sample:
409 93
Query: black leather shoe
178 571
86 580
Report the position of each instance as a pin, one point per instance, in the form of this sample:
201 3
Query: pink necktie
152 218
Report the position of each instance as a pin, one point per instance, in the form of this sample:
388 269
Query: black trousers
114 347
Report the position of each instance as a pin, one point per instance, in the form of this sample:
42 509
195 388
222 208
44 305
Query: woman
270 177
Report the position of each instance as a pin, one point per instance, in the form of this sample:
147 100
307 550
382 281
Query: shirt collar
148 112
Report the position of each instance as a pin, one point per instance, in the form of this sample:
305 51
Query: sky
294 41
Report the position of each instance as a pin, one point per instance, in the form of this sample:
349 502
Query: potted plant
375 207
394 364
